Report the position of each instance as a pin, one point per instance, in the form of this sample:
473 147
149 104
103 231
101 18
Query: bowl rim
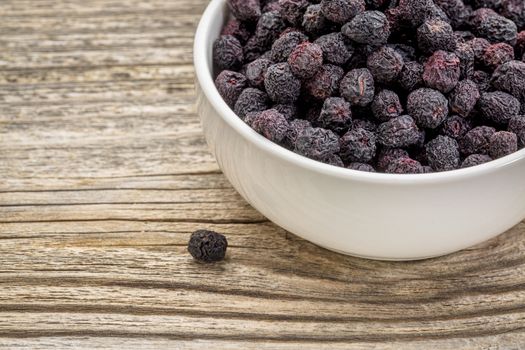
203 72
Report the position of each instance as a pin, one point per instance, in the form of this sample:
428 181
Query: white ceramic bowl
378 216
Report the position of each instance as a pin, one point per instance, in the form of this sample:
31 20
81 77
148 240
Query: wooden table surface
104 173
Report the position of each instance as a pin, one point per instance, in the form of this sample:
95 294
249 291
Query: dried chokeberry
497 54
475 159
207 246
411 76
272 125
285 44
386 105
464 97
245 10
398 132
428 107
251 100
495 28
293 10
341 11
517 126
334 48
387 155
456 127
317 143
405 166
510 77
357 87
255 72
369 27
335 115
442 71
305 60
476 140
230 85
385 64
361 167
498 106
281 84
325 82
228 52
443 153
314 21
434 35
358 145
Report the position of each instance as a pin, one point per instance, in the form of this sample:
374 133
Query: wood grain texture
105 173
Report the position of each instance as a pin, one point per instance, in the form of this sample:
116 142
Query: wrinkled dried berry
269 26
293 10
325 82
313 20
495 28
251 100
370 27
475 159
385 64
503 143
361 167
207 246
358 145
476 140
514 10
281 85
317 143
245 10
510 77
230 85
443 153
398 132
498 106
334 49
283 47
435 35
335 115
442 71
517 126
341 11
464 97
305 60
497 54
456 127
228 52
411 76
428 107
386 105
255 72
357 87
405 166
272 125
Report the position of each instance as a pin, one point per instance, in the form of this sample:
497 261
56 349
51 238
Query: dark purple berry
335 115
517 126
285 44
475 159
227 53
443 153
434 35
497 54
317 143
230 85
387 155
361 167
325 82
510 77
428 107
272 125
281 85
251 100
385 64
334 49
293 10
305 60
398 132
207 246
503 143
369 27
386 105
498 106
313 20
358 145
476 140
495 28
456 127
255 72
245 10
269 26
238 29
411 76
442 71
514 10
404 166
464 97
341 11
357 87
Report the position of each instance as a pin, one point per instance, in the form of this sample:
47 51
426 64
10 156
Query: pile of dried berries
397 86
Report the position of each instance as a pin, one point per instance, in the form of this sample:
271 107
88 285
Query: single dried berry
325 82
313 20
494 27
443 153
238 29
227 53
230 85
341 11
464 97
387 155
497 54
411 76
272 125
434 35
335 115
442 71
269 26
476 140
514 10
498 106
503 143
358 145
370 27
456 127
398 132
385 64
281 85
283 47
207 246
251 100
475 159
510 77
517 126
405 166
245 10
255 72
293 10
357 87
335 50
386 105
361 167
305 60
317 143
428 107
